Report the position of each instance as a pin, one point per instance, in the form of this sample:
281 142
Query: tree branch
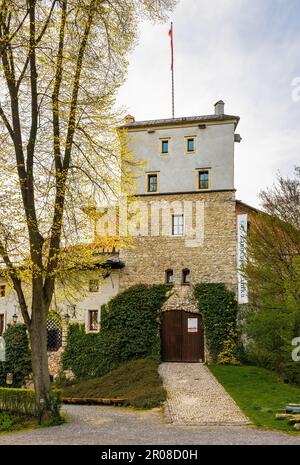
16 283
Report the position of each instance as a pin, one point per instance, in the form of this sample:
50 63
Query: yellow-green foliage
228 354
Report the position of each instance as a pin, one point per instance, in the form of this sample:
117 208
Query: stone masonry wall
215 261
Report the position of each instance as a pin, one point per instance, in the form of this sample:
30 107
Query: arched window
186 274
169 277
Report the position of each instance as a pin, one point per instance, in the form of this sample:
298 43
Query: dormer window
169 277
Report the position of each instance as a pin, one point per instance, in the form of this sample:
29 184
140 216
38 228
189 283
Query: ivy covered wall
130 329
219 309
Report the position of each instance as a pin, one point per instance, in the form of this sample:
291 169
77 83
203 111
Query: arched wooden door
182 336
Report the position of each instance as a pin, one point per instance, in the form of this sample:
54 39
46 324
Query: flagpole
173 90
172 69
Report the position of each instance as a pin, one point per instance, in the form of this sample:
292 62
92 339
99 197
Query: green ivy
218 306
130 329
18 357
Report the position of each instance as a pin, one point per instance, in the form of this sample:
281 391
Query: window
54 335
169 277
94 285
164 146
152 183
93 320
177 225
190 144
2 290
1 324
203 179
186 276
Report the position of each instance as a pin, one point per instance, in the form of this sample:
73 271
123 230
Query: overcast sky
246 52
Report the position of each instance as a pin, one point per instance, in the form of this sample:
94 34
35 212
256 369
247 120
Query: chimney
129 119
219 108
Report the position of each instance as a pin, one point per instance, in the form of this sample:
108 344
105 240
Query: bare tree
62 62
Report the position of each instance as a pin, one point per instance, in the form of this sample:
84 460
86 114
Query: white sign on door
192 325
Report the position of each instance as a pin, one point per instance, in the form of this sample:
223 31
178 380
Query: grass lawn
258 392
138 381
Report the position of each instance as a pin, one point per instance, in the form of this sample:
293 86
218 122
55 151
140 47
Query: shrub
7 422
218 306
137 381
18 357
22 401
130 329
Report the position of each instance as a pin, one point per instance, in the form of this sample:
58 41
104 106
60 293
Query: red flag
172 49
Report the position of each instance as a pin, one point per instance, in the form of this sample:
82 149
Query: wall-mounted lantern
9 378
15 318
67 318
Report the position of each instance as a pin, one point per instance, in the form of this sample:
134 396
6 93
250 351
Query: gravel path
117 426
195 397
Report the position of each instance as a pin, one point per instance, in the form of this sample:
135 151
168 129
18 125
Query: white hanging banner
242 225
2 349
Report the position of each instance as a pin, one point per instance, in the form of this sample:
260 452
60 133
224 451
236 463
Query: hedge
18 357
130 329
219 309
22 401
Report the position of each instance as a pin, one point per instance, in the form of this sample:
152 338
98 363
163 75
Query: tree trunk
38 340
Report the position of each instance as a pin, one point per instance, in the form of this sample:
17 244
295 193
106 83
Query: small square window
152 183
2 290
93 320
94 285
177 225
203 179
164 147
190 144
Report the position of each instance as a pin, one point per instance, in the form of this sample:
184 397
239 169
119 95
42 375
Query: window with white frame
93 323
177 225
